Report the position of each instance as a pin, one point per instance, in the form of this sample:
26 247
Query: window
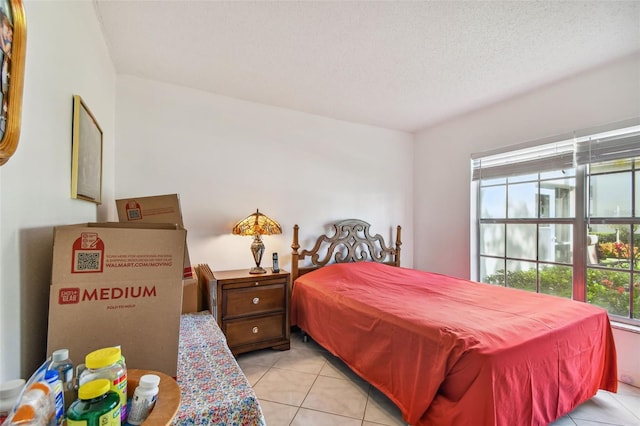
613 224
563 218
526 232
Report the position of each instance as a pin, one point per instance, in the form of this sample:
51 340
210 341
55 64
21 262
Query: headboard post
294 254
398 244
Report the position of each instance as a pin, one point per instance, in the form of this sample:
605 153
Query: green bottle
96 405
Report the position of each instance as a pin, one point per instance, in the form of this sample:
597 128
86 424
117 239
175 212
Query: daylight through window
563 218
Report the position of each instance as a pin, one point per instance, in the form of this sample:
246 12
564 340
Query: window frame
506 221
580 222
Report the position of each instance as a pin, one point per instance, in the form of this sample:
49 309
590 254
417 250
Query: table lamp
257 224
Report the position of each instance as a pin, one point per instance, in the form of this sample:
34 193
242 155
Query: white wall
604 95
66 55
227 157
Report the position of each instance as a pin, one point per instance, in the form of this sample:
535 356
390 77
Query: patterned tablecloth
214 389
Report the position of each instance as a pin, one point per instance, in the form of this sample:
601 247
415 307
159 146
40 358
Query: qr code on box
134 214
89 261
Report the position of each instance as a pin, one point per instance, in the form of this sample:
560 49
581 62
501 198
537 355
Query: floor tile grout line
334 414
322 411
300 405
621 404
631 396
282 403
259 378
366 405
572 420
624 404
311 387
597 422
318 375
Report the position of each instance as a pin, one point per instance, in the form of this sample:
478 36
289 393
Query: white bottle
144 398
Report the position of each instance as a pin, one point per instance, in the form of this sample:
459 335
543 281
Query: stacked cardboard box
118 284
163 209
154 209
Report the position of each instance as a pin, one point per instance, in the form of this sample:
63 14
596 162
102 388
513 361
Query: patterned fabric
214 389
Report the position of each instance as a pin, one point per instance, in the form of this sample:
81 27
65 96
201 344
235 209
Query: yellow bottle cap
102 358
94 389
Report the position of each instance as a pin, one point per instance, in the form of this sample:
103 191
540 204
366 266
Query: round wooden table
168 396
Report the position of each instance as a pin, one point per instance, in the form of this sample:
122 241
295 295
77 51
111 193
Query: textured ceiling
398 65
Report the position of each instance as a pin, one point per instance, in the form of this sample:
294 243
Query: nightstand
252 309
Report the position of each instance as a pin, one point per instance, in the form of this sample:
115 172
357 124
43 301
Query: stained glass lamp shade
256 225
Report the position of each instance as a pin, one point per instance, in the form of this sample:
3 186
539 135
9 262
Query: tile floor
307 386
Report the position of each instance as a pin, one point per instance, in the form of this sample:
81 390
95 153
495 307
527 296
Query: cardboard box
208 290
118 284
154 209
190 294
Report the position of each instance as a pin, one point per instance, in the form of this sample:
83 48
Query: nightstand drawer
253 300
259 281
254 330
252 309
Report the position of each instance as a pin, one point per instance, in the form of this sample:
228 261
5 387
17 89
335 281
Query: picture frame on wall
86 159
13 33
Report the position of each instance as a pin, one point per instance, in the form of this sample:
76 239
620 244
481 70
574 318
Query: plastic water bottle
61 362
144 399
53 379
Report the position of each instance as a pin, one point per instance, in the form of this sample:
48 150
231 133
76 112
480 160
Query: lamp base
257 248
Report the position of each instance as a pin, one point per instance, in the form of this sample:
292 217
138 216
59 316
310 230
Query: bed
448 351
214 390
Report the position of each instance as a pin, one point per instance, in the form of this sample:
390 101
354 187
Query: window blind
615 145
541 158
565 152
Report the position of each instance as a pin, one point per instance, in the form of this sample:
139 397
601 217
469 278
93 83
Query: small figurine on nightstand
276 268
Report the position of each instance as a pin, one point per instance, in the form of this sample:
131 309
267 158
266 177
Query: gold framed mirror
13 42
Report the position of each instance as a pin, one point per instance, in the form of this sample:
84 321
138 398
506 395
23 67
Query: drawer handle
255 330
256 300
257 283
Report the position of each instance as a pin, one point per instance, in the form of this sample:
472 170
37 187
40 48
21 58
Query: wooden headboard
351 242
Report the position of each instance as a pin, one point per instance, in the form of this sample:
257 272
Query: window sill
626 327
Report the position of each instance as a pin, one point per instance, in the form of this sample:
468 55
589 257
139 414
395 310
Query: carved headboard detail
351 242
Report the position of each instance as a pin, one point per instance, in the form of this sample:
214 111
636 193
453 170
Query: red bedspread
453 352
